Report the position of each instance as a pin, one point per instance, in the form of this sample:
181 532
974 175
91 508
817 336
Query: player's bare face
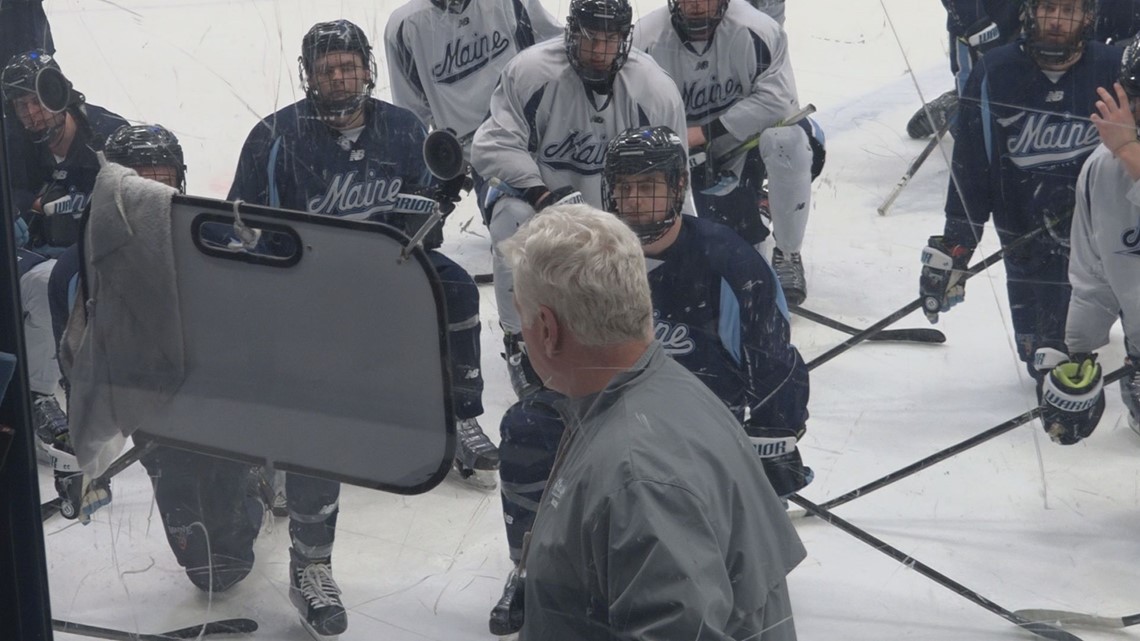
340 75
643 198
598 49
33 115
1060 21
164 174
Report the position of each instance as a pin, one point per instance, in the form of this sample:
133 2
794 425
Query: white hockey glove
942 284
1072 399
65 204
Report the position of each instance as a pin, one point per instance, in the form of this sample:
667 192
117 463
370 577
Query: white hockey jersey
743 76
1104 259
545 128
443 66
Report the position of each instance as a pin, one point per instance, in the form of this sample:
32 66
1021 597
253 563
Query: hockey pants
529 435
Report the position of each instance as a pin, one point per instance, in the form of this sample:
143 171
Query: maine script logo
1044 139
581 153
461 57
711 97
355 197
674 338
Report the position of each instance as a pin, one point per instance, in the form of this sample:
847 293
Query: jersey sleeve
251 180
963 14
636 562
773 93
543 25
505 144
1093 307
404 76
969 198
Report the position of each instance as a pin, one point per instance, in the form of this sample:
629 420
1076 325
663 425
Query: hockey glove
781 458
540 197
56 201
942 284
447 192
982 36
1073 400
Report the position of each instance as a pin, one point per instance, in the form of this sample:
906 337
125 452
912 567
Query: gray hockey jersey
443 66
1104 259
743 76
545 128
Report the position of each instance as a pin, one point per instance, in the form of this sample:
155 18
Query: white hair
588 267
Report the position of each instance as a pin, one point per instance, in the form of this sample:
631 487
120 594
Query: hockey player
717 310
1103 268
738 85
1017 154
53 164
310 156
445 56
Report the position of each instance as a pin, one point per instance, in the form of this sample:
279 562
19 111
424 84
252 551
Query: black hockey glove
942 284
447 192
982 36
540 197
1072 399
781 458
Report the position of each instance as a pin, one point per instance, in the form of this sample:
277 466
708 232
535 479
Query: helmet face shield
644 180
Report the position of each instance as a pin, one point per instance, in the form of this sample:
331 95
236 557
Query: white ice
1018 520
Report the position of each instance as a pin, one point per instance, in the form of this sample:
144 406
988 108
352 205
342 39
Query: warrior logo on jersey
708 97
581 153
1045 140
356 197
463 57
674 338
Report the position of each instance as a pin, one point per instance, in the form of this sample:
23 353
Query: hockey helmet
639 151
699 28
451 6
1130 69
138 146
37 73
330 37
1056 48
599 21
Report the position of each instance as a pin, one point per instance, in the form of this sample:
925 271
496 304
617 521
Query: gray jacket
658 521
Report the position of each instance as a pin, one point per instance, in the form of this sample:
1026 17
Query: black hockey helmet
37 73
591 19
1036 41
137 146
1130 69
647 150
329 37
696 28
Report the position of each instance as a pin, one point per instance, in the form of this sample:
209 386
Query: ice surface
1018 519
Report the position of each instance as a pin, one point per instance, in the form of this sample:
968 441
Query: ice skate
48 421
507 615
476 457
316 596
790 272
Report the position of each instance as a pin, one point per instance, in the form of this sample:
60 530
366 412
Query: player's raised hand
1114 121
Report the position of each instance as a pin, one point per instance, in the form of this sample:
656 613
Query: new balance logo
356 154
1055 96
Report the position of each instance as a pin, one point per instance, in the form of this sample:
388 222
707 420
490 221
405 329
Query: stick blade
1047 631
911 335
1063 617
223 626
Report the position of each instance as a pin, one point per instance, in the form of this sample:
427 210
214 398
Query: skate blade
478 479
317 636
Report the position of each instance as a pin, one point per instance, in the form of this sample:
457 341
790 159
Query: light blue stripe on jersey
274 197
729 321
987 134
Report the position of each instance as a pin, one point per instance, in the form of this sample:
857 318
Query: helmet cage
589 19
331 37
137 146
1047 53
641 151
699 29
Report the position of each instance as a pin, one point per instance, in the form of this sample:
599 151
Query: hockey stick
224 626
917 303
911 335
50 508
1036 627
913 168
954 450
1063 617
701 157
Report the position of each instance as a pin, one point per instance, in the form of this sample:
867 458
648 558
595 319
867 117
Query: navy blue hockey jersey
1020 141
293 160
719 311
